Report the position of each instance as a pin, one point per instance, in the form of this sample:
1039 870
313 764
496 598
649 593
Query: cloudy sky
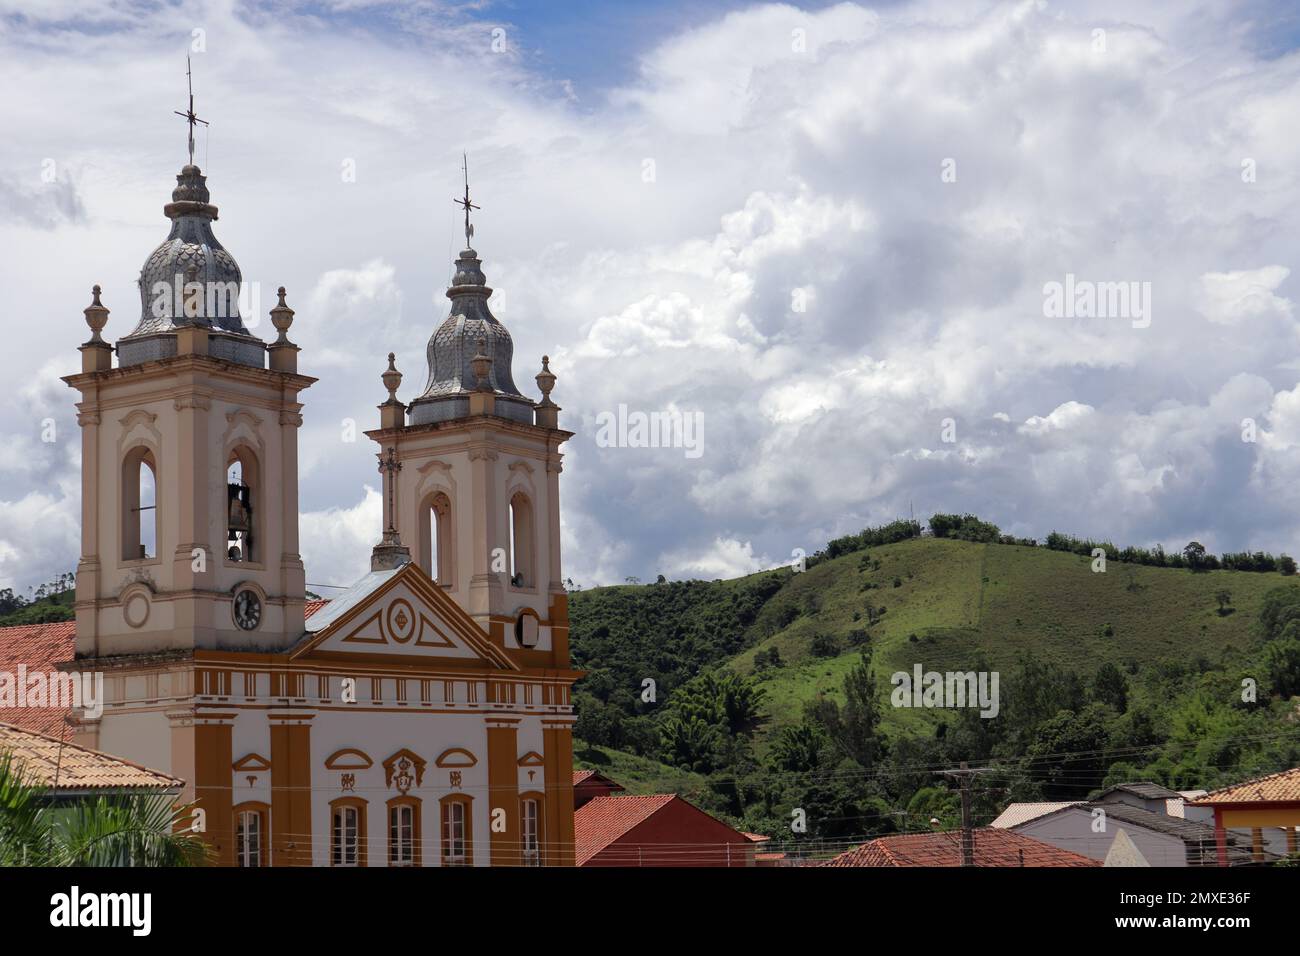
827 229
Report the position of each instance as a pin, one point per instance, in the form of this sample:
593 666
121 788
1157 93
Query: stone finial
545 382
282 318
482 367
392 378
96 318
546 414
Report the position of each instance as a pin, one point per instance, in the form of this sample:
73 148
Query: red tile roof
1283 787
603 820
581 775
992 848
40 647
49 762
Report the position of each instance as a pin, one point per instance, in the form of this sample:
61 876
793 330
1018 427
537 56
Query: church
423 716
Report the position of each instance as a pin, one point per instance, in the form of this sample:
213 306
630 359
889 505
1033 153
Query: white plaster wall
1072 830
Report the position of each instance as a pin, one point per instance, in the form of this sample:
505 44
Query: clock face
248 610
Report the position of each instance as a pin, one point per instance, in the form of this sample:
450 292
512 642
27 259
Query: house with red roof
612 828
992 847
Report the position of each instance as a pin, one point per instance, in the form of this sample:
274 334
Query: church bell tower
189 459
471 475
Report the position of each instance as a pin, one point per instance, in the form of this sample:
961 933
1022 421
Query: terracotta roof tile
1275 788
602 820
40 647
48 762
992 848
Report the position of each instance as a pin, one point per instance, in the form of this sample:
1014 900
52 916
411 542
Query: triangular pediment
402 615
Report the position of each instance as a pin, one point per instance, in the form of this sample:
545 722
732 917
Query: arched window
250 834
243 512
348 832
457 835
404 831
435 542
521 541
139 505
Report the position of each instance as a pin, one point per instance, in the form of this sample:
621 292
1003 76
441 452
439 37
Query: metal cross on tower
189 115
469 229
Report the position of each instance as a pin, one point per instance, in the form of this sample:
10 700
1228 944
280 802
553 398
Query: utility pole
963 775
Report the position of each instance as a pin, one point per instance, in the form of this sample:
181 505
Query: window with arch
530 827
139 504
457 835
404 831
348 832
250 834
522 549
243 489
435 544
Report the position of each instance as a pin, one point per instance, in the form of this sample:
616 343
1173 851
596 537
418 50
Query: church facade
423 716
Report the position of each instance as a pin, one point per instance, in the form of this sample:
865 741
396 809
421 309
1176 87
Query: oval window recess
136 610
526 630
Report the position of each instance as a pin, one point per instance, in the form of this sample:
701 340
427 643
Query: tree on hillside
1282 662
798 749
853 728
1194 555
1224 597
1110 687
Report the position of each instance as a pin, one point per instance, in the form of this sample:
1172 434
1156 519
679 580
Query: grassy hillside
1062 636
958 603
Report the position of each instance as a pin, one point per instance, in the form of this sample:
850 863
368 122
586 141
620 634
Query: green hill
1141 664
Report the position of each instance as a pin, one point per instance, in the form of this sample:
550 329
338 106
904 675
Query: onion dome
470 331
190 280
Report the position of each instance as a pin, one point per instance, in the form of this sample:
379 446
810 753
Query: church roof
327 612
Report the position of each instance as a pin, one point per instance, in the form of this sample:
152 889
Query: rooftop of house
601 821
1144 789
1018 813
39 648
61 767
1282 787
992 847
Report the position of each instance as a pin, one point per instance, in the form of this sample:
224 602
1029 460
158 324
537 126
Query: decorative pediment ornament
456 757
532 759
403 770
348 759
410 615
251 762
137 576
